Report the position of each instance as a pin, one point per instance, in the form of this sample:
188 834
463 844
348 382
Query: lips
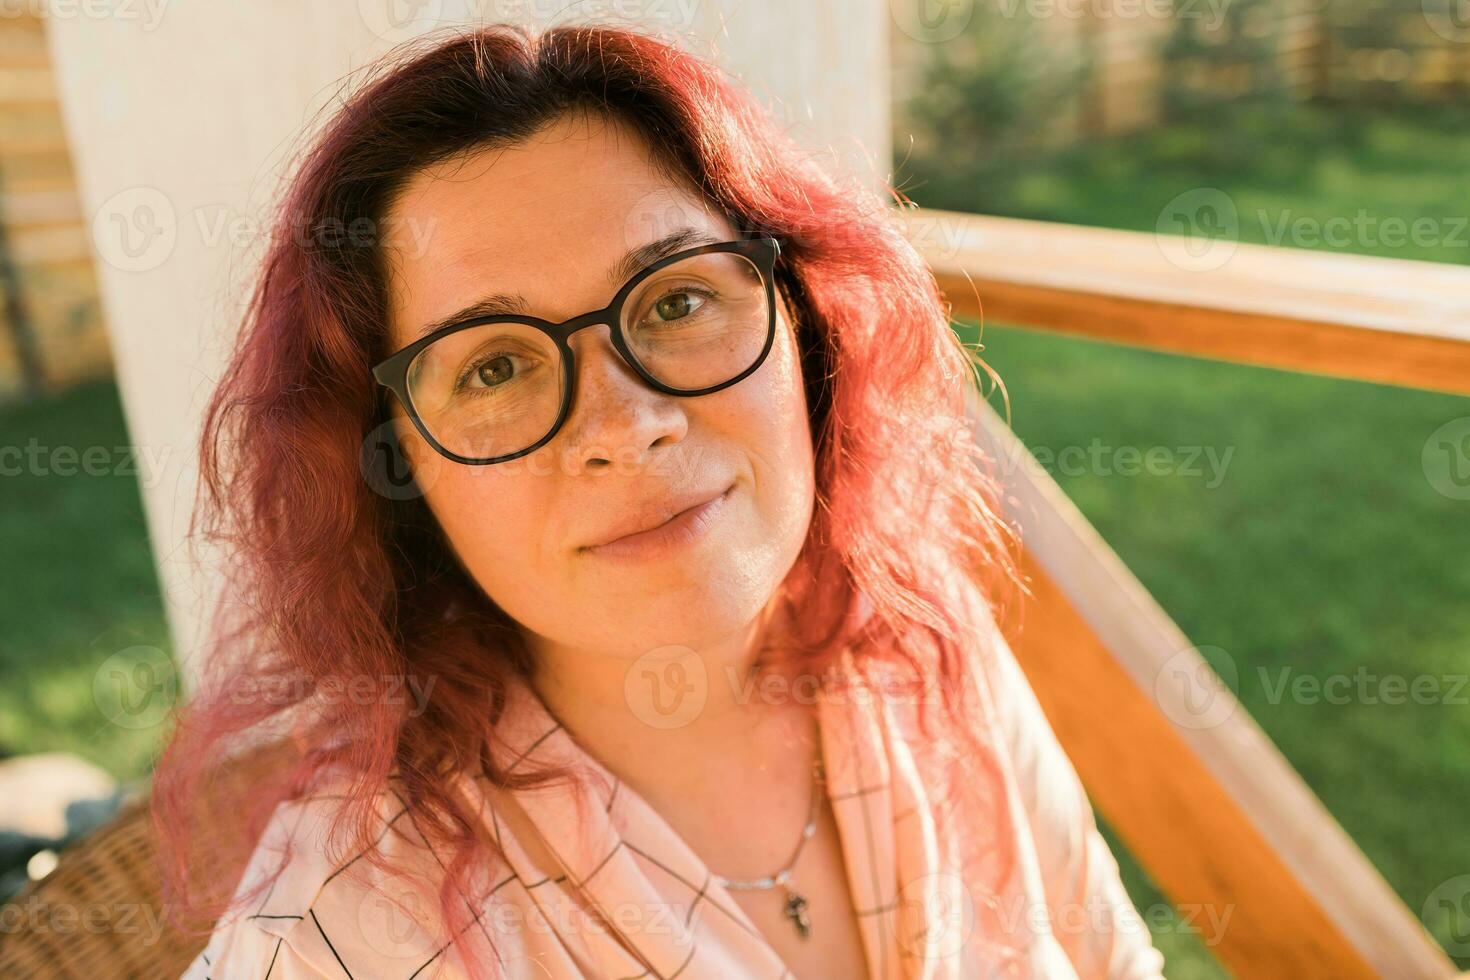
654 514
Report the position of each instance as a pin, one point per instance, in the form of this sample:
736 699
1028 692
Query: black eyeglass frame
392 371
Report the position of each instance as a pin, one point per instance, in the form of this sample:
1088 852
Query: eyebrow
514 304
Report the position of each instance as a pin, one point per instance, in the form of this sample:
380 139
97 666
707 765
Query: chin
701 610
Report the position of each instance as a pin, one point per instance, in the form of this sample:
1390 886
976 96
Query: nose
615 417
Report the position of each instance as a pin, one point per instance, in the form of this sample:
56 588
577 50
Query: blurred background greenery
1323 550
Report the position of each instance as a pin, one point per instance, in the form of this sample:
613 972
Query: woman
648 641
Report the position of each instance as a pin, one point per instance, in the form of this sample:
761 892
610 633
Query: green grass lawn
1324 549
80 586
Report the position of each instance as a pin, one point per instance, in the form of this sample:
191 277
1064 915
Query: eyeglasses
494 388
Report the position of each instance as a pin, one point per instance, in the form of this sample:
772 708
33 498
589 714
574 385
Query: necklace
796 903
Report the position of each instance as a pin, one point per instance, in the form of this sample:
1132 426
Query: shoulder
328 904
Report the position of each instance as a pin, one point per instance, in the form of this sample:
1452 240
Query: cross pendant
796 912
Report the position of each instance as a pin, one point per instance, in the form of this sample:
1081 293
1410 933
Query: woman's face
550 220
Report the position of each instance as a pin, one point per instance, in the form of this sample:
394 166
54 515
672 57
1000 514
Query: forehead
545 219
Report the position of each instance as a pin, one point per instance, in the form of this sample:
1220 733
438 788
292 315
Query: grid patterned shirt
600 886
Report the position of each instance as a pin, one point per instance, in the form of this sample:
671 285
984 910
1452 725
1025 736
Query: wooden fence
51 329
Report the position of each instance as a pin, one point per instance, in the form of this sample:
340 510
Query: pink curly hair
331 581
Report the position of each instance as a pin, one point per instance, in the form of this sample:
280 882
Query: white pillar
180 115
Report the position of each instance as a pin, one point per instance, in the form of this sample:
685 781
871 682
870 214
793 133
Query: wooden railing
1386 320
1205 802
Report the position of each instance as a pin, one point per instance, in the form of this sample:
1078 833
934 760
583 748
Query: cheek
496 526
767 416
470 504
784 394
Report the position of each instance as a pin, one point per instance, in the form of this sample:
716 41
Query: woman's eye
676 306
491 372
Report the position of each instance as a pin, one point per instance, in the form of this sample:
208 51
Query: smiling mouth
684 528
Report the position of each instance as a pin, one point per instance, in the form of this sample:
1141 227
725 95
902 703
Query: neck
678 707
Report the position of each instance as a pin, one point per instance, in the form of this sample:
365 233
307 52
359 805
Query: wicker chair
99 914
